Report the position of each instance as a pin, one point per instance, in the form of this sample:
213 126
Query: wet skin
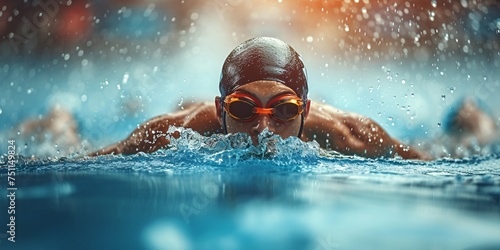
344 132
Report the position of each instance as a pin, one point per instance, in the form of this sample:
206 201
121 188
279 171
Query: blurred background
98 68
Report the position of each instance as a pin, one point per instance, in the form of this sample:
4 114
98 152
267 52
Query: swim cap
263 58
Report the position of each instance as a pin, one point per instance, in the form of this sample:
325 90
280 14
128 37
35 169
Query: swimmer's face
263 91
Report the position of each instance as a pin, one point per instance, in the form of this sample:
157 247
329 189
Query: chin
255 140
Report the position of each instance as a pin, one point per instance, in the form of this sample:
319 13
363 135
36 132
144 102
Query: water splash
230 150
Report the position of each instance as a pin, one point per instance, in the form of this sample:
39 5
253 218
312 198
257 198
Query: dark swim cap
263 58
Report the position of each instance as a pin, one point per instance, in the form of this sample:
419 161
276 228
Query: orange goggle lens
283 108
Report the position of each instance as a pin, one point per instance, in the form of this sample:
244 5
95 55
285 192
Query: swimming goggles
244 107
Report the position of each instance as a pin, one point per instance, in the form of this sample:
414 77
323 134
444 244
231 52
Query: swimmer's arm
354 134
369 139
409 152
374 141
148 137
152 135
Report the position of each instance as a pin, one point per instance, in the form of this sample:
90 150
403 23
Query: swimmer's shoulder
199 116
322 111
202 117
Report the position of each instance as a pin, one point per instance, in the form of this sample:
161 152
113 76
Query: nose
263 121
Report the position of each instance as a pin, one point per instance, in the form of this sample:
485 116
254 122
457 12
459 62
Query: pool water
406 73
215 193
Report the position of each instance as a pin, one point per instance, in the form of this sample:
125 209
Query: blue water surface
221 192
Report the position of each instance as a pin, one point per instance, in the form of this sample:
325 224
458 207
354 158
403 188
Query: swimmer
58 127
468 128
263 85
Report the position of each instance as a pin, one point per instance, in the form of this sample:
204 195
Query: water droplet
439 124
194 16
1 111
125 78
180 103
389 118
309 39
452 89
443 97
